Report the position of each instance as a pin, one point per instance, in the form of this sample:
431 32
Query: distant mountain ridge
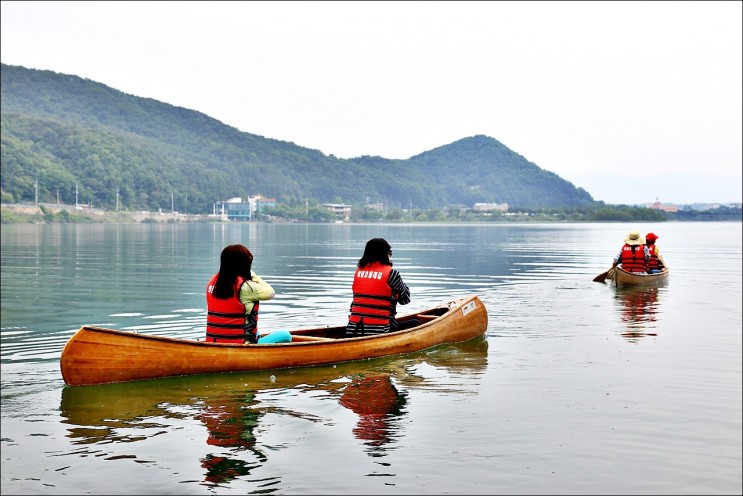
78 138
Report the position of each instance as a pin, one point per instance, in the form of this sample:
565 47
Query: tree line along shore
54 213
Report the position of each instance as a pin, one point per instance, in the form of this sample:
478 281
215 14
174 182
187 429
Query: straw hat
634 238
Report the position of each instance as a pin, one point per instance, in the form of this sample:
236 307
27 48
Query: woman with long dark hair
233 296
377 289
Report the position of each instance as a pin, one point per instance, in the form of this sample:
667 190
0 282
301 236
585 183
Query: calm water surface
577 388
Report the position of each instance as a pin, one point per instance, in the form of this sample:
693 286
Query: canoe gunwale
310 332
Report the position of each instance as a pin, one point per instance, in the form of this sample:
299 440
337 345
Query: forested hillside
67 134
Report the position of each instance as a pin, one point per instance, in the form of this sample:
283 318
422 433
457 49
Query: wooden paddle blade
602 277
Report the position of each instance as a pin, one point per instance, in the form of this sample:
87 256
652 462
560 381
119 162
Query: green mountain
79 141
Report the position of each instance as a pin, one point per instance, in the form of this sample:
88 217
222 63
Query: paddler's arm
255 290
400 290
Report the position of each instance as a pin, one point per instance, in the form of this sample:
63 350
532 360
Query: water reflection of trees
232 407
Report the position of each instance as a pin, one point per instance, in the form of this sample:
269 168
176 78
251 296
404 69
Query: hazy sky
632 101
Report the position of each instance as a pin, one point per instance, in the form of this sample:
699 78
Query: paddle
602 277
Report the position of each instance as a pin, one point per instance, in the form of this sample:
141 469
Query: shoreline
51 213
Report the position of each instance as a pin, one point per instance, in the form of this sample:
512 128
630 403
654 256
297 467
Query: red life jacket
654 262
226 321
633 262
373 306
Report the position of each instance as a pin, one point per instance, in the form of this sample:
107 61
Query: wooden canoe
105 405
623 278
97 355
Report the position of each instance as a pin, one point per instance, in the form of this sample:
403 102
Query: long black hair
376 250
235 260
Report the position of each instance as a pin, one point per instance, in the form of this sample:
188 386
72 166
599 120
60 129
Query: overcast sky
633 101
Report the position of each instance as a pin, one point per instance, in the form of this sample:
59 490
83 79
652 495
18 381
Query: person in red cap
656 262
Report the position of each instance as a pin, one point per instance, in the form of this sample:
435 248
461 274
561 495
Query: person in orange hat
655 262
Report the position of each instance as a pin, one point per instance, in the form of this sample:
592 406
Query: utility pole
76 193
172 209
117 198
36 192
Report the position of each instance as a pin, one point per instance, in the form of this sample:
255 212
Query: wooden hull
623 278
107 405
96 355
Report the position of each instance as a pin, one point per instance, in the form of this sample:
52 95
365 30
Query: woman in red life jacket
656 262
232 299
634 255
377 289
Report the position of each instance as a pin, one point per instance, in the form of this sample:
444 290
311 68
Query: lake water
577 388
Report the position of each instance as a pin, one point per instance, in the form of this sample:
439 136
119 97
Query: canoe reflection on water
108 418
638 306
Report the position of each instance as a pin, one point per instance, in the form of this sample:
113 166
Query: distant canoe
96 355
623 278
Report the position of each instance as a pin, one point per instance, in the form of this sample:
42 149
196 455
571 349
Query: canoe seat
299 338
426 318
